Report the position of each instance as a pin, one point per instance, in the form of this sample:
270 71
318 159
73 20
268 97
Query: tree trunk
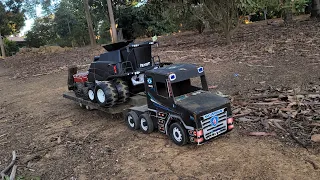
228 35
113 25
3 52
315 12
89 22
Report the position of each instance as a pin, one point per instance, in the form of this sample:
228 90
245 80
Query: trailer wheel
123 90
91 94
178 134
146 124
105 94
132 120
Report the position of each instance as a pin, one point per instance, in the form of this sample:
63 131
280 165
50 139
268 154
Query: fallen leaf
212 87
261 134
236 111
315 138
270 99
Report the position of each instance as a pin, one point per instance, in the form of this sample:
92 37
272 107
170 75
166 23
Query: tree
42 32
11 19
113 25
70 24
89 22
315 12
222 14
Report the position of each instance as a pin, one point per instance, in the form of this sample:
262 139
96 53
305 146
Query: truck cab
180 105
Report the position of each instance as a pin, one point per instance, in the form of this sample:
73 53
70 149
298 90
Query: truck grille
211 129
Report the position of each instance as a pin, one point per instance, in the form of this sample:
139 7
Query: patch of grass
27 178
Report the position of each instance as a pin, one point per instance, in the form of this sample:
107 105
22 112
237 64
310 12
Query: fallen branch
250 65
269 103
2 135
273 96
13 172
6 169
241 115
293 136
262 134
315 166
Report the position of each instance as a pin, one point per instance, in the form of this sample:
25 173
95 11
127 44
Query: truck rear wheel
146 124
178 134
105 94
132 120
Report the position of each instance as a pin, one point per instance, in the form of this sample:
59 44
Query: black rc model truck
177 103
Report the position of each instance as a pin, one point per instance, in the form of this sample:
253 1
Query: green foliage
41 33
155 18
11 16
10 47
70 24
104 34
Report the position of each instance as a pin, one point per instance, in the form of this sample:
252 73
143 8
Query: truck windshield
186 86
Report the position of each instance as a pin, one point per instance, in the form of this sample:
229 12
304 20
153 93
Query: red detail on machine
80 77
115 69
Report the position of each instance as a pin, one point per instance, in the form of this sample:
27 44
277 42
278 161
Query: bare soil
56 139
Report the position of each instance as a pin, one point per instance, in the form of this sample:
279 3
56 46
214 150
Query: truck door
160 103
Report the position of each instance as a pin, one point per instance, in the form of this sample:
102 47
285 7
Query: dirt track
56 139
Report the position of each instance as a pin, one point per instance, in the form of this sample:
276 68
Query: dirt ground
56 139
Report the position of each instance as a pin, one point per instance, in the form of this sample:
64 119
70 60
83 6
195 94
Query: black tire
146 124
78 89
178 134
132 120
85 93
123 90
106 94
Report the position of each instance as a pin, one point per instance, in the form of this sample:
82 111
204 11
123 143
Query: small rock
59 140
315 138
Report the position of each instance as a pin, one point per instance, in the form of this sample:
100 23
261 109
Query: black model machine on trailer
177 101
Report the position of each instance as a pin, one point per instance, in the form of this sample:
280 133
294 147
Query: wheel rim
101 96
130 121
177 134
91 94
144 124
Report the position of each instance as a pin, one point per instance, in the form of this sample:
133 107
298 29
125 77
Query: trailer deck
138 100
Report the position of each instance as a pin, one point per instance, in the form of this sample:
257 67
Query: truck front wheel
132 120
178 134
146 124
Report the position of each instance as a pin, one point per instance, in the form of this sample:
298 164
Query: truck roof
178 72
